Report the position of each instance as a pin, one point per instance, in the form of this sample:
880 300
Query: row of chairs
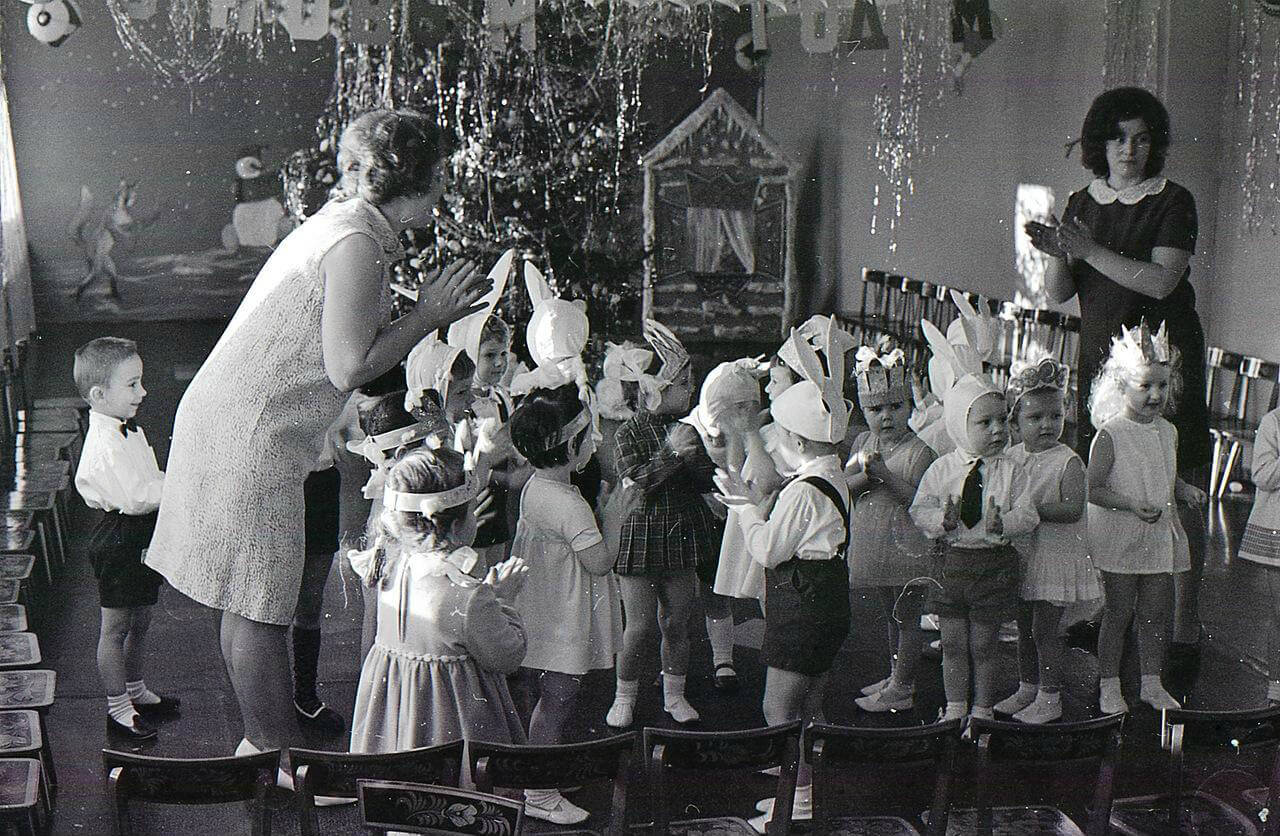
416 791
40 443
1239 390
893 304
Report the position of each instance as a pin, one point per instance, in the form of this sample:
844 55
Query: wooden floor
185 660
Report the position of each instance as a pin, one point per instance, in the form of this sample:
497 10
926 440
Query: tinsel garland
1257 77
184 52
925 35
546 145
1135 43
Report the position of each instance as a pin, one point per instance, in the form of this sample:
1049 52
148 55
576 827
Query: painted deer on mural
98 230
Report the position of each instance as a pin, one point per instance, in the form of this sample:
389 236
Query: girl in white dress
1056 568
1134 531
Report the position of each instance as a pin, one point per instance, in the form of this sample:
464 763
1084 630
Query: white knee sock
720 632
140 694
121 709
673 701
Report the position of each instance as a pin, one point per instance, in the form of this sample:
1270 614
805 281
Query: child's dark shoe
320 718
167 707
138 732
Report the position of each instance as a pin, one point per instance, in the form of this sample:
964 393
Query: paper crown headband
1037 372
815 407
576 424
1136 347
374 447
668 347
465 333
431 503
882 374
822 334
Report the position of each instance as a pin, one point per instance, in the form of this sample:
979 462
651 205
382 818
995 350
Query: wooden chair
1035 750
22 735
19 650
1253 403
1222 383
438 811
838 750
544 767
24 804
719 752
190 781
1254 732
335 774
13 618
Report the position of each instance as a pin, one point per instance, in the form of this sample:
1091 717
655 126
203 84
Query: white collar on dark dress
1104 194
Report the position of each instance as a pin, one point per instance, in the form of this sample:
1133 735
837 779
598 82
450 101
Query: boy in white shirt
118 479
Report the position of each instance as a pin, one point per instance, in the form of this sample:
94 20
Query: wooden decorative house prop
719 213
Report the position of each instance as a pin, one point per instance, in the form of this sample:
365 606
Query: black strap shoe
321 719
139 731
167 707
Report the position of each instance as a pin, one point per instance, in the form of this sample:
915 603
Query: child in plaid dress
664 540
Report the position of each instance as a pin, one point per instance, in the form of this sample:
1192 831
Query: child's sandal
726 677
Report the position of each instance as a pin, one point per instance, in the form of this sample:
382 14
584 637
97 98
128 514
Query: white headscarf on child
429 366
960 399
726 385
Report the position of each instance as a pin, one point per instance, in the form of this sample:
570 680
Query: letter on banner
867 16
140 9
370 22
305 20
508 14
220 12
819 25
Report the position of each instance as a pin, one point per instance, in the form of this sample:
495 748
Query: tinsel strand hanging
186 51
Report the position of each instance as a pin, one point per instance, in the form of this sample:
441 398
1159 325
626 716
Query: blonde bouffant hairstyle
386 154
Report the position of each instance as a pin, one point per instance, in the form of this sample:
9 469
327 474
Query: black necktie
126 427
971 496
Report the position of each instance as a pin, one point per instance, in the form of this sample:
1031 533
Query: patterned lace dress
249 429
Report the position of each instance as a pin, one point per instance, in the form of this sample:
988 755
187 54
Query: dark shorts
806 615
320 509
978 584
116 543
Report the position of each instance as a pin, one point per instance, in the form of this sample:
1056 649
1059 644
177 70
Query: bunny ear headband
950 361
979 331
465 333
429 366
556 335
622 364
815 407
824 334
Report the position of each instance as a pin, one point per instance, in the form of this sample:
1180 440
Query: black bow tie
126 427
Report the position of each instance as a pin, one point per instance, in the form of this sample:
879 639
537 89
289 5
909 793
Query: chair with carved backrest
839 751
1231 735
335 774
1085 750
511 766
190 781
1259 394
435 810
732 751
1222 382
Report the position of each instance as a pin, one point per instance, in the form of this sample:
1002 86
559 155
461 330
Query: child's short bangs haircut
540 418
495 329
386 414
97 359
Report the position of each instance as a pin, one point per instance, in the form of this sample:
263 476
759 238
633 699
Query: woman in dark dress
1124 249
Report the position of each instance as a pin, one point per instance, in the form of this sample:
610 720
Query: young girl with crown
886 550
1135 533
1056 568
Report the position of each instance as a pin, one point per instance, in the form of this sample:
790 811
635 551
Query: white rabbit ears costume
430 363
465 333
814 408
629 363
824 335
971 340
556 336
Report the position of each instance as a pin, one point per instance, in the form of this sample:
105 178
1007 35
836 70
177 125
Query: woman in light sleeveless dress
315 324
